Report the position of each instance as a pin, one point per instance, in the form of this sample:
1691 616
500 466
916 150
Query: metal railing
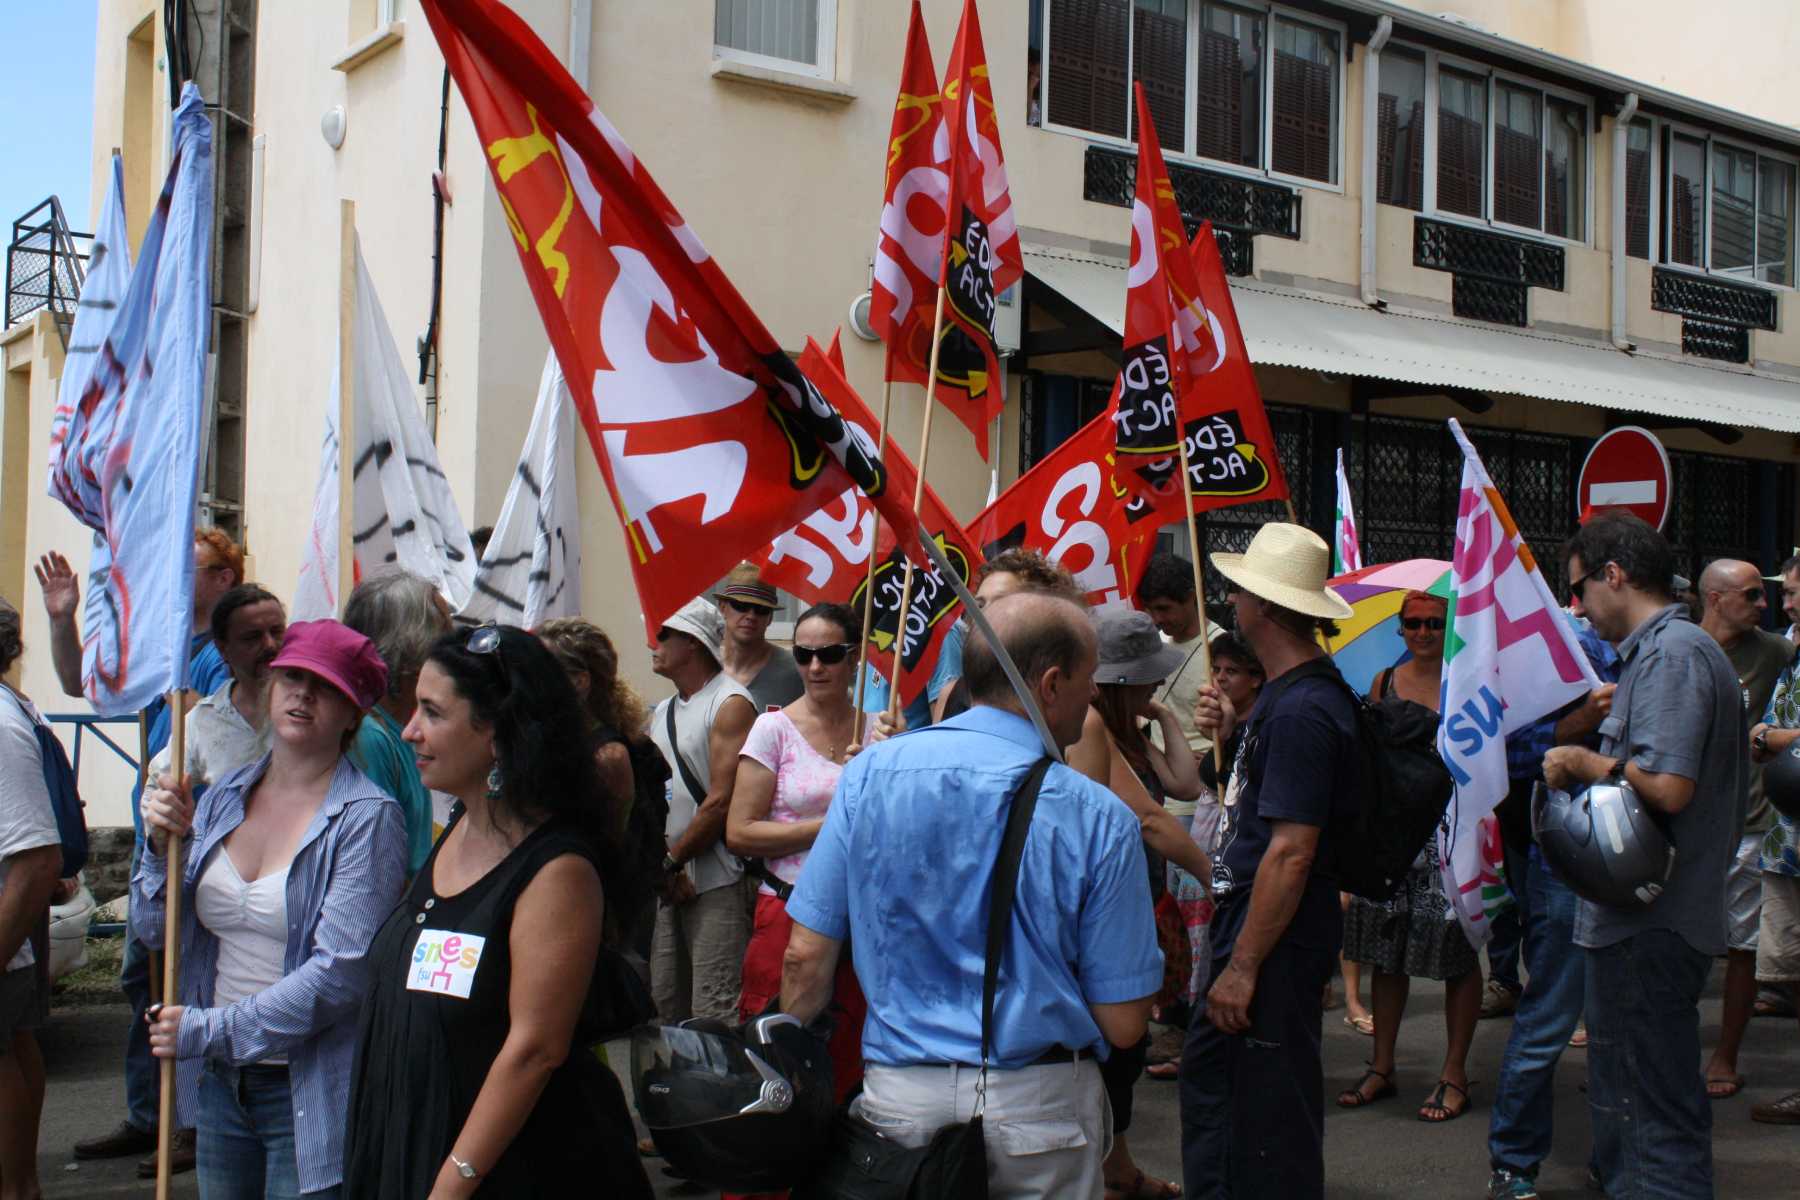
46 263
88 723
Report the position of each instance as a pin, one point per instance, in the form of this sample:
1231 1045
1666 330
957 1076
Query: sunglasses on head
738 606
1414 624
831 655
485 640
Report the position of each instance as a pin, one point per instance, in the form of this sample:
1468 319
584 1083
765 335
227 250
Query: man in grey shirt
1677 734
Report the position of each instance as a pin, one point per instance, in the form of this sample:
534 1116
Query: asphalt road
1379 1151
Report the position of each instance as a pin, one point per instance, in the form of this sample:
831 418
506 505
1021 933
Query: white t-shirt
219 740
1179 692
716 867
26 818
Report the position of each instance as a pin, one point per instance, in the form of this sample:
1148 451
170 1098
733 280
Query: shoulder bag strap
695 788
1006 885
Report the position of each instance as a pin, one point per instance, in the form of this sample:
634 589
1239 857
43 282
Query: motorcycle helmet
1781 782
745 1110
1603 843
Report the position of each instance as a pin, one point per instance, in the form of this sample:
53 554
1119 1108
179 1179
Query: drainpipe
581 28
1371 97
1621 138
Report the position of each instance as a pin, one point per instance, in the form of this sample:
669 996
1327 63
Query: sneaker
181 1156
1511 1185
1498 1000
1785 1111
126 1139
1593 1180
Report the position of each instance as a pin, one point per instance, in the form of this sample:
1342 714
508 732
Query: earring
493 782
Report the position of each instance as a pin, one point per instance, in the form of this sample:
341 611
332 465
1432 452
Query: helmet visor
687 1077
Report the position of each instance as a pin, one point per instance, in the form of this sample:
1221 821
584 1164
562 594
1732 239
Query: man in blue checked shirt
1550 1006
902 867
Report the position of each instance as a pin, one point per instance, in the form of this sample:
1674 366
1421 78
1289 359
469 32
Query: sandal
646 1148
1435 1112
1354 1097
1578 1040
1364 1024
1144 1187
1725 1088
1164 1070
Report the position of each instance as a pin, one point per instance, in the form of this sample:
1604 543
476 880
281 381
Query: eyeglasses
831 656
486 640
738 606
1578 587
1753 594
1414 624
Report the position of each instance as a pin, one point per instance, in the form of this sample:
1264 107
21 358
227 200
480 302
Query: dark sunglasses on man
739 607
831 655
1414 624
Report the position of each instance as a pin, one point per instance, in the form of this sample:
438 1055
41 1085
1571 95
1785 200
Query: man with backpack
1252 1083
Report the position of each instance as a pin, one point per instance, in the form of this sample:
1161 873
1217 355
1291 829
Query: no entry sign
1627 468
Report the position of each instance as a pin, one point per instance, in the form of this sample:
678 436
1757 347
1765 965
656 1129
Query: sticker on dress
444 962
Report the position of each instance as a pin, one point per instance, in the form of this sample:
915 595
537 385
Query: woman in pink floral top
787 772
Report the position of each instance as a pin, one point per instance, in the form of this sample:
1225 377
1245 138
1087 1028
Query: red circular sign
1629 469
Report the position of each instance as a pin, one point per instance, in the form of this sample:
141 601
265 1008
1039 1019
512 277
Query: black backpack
643 845
1403 788
65 801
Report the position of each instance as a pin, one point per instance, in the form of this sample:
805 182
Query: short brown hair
1036 572
228 552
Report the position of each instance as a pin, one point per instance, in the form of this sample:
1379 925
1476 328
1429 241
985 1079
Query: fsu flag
1069 508
909 249
826 556
710 438
981 251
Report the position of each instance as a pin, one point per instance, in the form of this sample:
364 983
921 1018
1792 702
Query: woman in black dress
473 1074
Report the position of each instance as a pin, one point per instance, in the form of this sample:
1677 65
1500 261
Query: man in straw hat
764 669
1252 1109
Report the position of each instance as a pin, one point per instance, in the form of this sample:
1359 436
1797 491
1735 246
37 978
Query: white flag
1508 663
404 512
1344 542
531 571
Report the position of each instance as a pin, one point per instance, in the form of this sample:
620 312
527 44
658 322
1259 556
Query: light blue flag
141 448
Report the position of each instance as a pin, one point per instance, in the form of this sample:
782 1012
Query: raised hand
60 585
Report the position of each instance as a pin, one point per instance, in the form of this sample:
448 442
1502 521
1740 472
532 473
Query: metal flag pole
931 380
868 605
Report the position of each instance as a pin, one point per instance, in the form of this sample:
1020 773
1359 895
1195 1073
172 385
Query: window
1638 143
1462 128
1400 131
1733 211
1518 151
1234 83
789 35
1775 222
1730 210
1687 199
1565 168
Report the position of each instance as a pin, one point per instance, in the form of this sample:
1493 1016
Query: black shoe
181 1156
126 1139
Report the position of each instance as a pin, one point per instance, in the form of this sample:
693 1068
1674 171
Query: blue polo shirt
904 868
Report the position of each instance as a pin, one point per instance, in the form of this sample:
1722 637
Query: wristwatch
463 1168
670 865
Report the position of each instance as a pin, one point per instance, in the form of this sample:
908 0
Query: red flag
1070 509
981 252
709 436
909 249
826 556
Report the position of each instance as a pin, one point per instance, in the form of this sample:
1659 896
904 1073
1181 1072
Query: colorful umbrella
1369 639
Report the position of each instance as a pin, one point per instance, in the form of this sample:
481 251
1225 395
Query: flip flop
1729 1087
647 1148
1353 1097
1364 1024
1435 1101
1164 1070
1578 1039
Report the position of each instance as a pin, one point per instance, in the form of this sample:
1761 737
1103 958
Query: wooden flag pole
931 375
868 606
143 780
171 958
1187 494
346 416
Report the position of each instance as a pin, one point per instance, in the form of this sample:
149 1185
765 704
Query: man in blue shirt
906 855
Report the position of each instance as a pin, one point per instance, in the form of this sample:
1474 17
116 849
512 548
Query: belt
1054 1055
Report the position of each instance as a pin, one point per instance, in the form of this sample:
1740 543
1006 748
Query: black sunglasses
1413 624
486 640
1578 587
738 606
831 655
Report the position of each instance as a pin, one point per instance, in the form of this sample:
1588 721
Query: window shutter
1459 163
1159 60
1300 124
1086 74
1637 197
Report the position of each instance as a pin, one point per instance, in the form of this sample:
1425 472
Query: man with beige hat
765 670
1252 1085
703 914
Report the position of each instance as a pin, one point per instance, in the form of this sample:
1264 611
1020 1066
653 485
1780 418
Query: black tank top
433 1023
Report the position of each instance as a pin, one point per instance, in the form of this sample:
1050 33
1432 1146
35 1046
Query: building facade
1537 218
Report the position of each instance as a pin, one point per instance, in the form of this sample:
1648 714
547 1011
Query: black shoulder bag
865 1164
756 868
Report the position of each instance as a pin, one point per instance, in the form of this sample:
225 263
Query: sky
47 96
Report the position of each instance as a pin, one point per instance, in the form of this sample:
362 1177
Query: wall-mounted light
331 126
859 318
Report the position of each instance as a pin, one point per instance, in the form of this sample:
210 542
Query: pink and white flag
1345 546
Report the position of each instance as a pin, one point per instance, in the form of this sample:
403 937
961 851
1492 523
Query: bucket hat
1286 565
339 655
1131 650
700 619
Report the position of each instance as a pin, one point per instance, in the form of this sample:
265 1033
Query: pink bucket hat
339 655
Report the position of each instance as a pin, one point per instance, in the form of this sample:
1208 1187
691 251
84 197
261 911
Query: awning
1292 329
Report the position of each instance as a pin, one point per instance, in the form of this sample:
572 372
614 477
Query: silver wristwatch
463 1168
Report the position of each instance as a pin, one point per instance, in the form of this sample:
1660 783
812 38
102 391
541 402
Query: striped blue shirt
345 878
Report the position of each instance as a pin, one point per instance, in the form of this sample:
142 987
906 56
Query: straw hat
745 585
1286 565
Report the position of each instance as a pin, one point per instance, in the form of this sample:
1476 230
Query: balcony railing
46 263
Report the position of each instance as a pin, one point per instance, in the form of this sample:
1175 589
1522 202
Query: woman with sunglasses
473 1073
1414 933
787 772
291 863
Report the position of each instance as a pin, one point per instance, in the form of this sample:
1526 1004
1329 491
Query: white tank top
250 921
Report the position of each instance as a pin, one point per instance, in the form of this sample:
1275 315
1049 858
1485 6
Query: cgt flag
131 455
826 556
710 438
1508 662
532 569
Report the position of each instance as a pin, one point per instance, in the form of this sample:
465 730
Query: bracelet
463 1168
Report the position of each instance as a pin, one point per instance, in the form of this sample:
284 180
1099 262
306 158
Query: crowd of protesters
405 838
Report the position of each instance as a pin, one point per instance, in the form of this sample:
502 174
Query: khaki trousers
697 954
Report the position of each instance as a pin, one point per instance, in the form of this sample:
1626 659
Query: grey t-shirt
1679 711
778 684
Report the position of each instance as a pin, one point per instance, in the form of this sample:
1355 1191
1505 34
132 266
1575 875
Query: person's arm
1092 755
748 830
1174 763
62 597
1580 722
1274 898
1158 827
1117 961
1571 768
807 968
613 761
730 726
555 938
31 875
1214 715
1123 1024
169 811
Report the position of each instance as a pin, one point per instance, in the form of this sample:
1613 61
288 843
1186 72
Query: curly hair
1036 572
228 552
581 645
12 639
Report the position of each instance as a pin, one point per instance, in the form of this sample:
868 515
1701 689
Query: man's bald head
1052 643
1726 574
1733 598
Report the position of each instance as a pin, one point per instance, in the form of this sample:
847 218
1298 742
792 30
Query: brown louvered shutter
1159 60
1086 74
1459 163
1637 197
1220 129
1300 124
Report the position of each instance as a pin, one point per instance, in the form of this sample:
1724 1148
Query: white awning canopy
1344 337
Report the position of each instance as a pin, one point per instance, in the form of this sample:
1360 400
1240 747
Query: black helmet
1781 781
1603 843
745 1110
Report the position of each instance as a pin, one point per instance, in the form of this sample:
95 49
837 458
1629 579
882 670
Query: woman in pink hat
291 865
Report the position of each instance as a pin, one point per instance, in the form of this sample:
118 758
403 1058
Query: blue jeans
1508 940
143 1092
1549 1009
245 1148
1652 1122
